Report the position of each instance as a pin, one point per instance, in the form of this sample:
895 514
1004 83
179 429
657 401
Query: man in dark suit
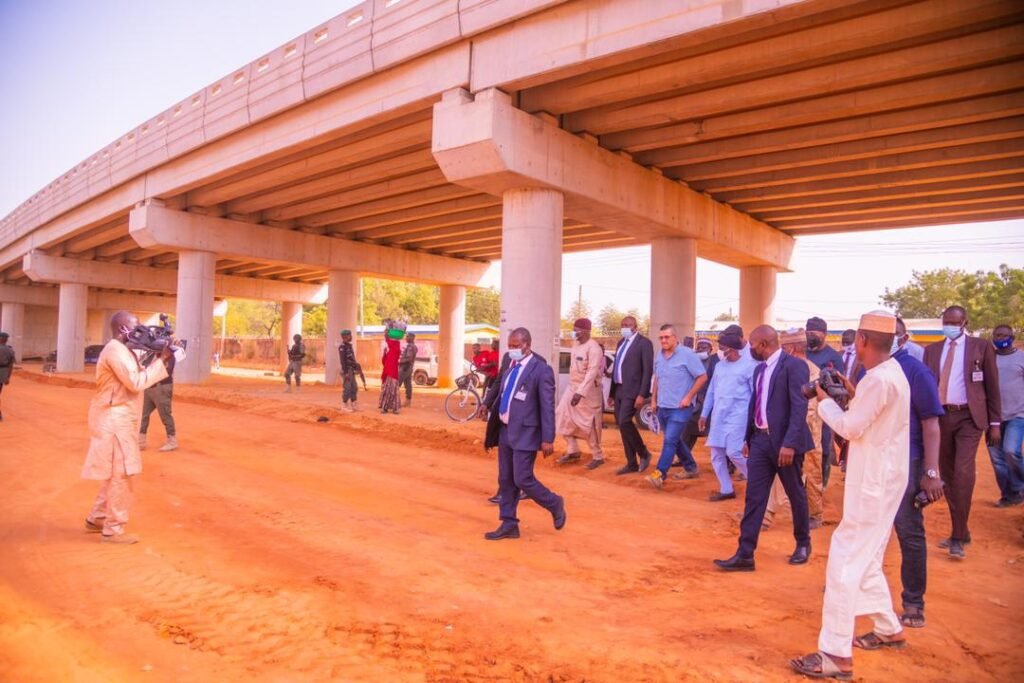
777 438
631 386
521 421
968 378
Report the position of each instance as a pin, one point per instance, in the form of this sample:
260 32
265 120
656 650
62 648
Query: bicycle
463 402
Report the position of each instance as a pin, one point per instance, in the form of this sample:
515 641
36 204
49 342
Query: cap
705 341
878 321
793 336
346 332
734 329
583 324
730 340
817 325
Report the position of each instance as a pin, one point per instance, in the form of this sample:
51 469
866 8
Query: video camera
152 339
831 383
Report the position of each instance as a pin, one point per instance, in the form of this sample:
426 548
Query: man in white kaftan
580 412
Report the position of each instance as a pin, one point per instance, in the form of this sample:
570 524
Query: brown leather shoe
122 539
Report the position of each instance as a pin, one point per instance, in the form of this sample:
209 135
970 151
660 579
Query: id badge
977 376
520 395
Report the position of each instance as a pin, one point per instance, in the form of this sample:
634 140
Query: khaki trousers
114 499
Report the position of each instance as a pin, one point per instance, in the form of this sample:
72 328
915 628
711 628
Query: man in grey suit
521 421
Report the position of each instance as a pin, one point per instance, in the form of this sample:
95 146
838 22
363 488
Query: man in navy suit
521 421
777 438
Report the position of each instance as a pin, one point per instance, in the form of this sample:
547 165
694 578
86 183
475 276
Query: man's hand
932 487
611 403
686 402
786 456
638 403
821 393
576 398
746 450
547 449
167 352
848 384
702 424
995 436
484 413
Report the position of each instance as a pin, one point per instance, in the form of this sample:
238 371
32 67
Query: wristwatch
931 474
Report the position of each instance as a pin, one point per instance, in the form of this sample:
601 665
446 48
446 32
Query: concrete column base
194 320
71 320
674 285
531 267
291 325
452 335
12 321
342 314
757 297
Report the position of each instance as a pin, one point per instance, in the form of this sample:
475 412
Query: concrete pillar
531 267
342 314
194 319
108 314
452 335
71 321
291 325
674 285
13 323
757 297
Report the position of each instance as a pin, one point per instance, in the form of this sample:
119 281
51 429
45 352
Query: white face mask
626 332
849 348
515 354
703 355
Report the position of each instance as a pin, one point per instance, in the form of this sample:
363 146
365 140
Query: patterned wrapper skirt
389 399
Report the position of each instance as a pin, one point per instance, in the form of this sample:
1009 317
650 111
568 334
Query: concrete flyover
418 139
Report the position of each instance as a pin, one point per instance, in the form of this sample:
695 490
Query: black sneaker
627 469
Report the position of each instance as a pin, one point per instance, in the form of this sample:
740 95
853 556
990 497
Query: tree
990 298
253 318
483 306
314 320
609 321
725 317
578 309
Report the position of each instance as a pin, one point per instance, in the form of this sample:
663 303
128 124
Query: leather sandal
820 665
873 641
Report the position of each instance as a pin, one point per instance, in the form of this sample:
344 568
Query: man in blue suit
521 421
777 438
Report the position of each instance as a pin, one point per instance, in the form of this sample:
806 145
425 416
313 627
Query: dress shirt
519 380
620 356
766 384
956 393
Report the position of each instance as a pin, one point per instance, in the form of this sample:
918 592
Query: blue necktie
510 386
618 361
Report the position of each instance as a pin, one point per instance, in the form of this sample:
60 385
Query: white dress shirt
621 357
766 383
504 385
915 350
956 393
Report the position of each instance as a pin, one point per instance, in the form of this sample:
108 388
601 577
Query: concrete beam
43 268
489 145
114 301
152 226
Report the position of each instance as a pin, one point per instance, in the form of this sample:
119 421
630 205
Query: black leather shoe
736 564
800 555
718 495
645 462
495 499
506 530
558 516
594 464
627 469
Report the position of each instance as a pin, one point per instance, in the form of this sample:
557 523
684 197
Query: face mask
849 348
572 335
952 331
626 332
703 355
1003 344
813 342
515 354
895 346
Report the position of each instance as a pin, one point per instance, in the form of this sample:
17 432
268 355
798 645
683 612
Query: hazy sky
78 74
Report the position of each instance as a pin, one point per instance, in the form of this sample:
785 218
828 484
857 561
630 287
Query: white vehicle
424 370
646 417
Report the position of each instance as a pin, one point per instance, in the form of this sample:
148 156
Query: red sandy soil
276 548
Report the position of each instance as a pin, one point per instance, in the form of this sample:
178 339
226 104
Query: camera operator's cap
817 325
583 324
878 321
793 336
346 332
730 340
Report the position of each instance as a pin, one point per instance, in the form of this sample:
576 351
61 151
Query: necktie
618 360
846 363
947 367
510 386
759 420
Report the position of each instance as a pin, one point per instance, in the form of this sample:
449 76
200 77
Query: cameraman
158 397
113 456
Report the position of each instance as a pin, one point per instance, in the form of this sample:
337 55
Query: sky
78 74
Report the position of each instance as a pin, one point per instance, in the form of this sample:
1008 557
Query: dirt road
276 548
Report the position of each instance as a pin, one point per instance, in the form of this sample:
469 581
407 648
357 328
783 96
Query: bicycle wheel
462 405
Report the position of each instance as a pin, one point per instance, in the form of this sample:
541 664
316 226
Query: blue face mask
1003 344
626 332
516 354
952 331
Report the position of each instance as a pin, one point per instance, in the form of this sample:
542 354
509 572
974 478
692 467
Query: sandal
820 665
873 641
913 618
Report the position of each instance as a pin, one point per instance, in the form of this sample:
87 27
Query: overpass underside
427 138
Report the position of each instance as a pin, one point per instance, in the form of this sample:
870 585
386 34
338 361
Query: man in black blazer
521 421
631 386
777 438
